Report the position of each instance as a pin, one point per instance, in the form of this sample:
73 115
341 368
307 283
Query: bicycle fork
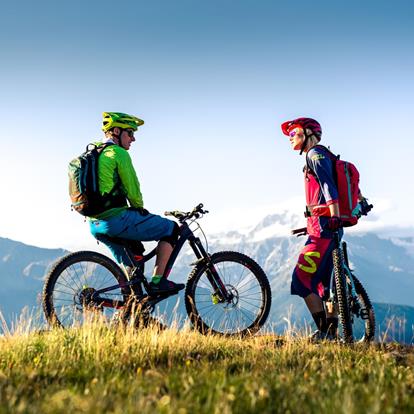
221 294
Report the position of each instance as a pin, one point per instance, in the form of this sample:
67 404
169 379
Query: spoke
223 271
203 283
241 275
206 307
211 307
63 292
86 272
63 300
256 296
75 277
245 281
208 311
106 279
251 304
255 286
66 286
244 315
97 281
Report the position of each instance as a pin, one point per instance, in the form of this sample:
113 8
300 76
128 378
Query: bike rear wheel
249 287
68 293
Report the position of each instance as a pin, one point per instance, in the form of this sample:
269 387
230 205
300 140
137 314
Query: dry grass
108 369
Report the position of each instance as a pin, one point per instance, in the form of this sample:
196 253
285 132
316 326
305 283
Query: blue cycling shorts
132 225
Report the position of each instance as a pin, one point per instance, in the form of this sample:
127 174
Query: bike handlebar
182 216
364 209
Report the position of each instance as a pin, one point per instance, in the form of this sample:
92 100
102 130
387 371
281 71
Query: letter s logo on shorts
312 265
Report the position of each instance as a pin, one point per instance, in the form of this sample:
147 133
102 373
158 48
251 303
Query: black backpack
84 184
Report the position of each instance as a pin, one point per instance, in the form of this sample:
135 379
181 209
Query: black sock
332 324
320 320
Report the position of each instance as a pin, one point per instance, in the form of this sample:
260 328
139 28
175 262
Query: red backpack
347 182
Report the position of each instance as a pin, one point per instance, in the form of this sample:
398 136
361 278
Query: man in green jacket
125 216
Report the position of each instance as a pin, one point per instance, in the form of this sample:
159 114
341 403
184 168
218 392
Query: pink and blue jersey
321 191
313 269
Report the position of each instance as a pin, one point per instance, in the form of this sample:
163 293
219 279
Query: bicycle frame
138 279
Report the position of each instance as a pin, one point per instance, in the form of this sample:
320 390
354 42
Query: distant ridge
22 269
385 267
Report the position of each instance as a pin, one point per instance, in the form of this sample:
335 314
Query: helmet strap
305 142
118 137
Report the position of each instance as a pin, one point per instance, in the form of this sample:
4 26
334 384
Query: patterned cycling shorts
312 273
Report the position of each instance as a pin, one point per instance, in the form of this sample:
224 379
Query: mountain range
385 267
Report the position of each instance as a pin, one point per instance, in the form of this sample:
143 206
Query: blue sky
213 81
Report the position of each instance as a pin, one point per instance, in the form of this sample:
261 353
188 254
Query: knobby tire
341 287
365 303
221 260
57 281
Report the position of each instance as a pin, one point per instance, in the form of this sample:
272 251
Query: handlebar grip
299 232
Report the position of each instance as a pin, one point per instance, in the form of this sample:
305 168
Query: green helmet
120 120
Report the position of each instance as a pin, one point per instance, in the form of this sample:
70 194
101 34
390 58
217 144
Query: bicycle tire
68 289
197 295
341 289
364 311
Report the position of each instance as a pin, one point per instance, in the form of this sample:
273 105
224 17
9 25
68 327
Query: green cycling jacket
115 169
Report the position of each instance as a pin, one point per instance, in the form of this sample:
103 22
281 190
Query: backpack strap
332 156
99 148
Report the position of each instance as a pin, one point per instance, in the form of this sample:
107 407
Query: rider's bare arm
334 209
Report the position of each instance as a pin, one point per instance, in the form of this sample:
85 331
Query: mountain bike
348 296
226 292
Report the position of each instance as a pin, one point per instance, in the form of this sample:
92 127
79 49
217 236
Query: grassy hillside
96 369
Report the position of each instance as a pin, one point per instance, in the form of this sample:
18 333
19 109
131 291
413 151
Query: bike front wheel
249 301
342 295
70 292
361 310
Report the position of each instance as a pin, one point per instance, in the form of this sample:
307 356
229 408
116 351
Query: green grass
97 369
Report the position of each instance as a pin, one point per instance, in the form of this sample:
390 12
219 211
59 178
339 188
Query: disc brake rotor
230 303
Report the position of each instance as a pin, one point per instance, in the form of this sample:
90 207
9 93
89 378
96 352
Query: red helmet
303 123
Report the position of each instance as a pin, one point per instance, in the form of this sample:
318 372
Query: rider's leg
99 231
164 250
159 282
309 278
316 308
331 318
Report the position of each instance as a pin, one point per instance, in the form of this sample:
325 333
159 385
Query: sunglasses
294 132
130 132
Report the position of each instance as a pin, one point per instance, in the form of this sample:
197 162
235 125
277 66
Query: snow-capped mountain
385 267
